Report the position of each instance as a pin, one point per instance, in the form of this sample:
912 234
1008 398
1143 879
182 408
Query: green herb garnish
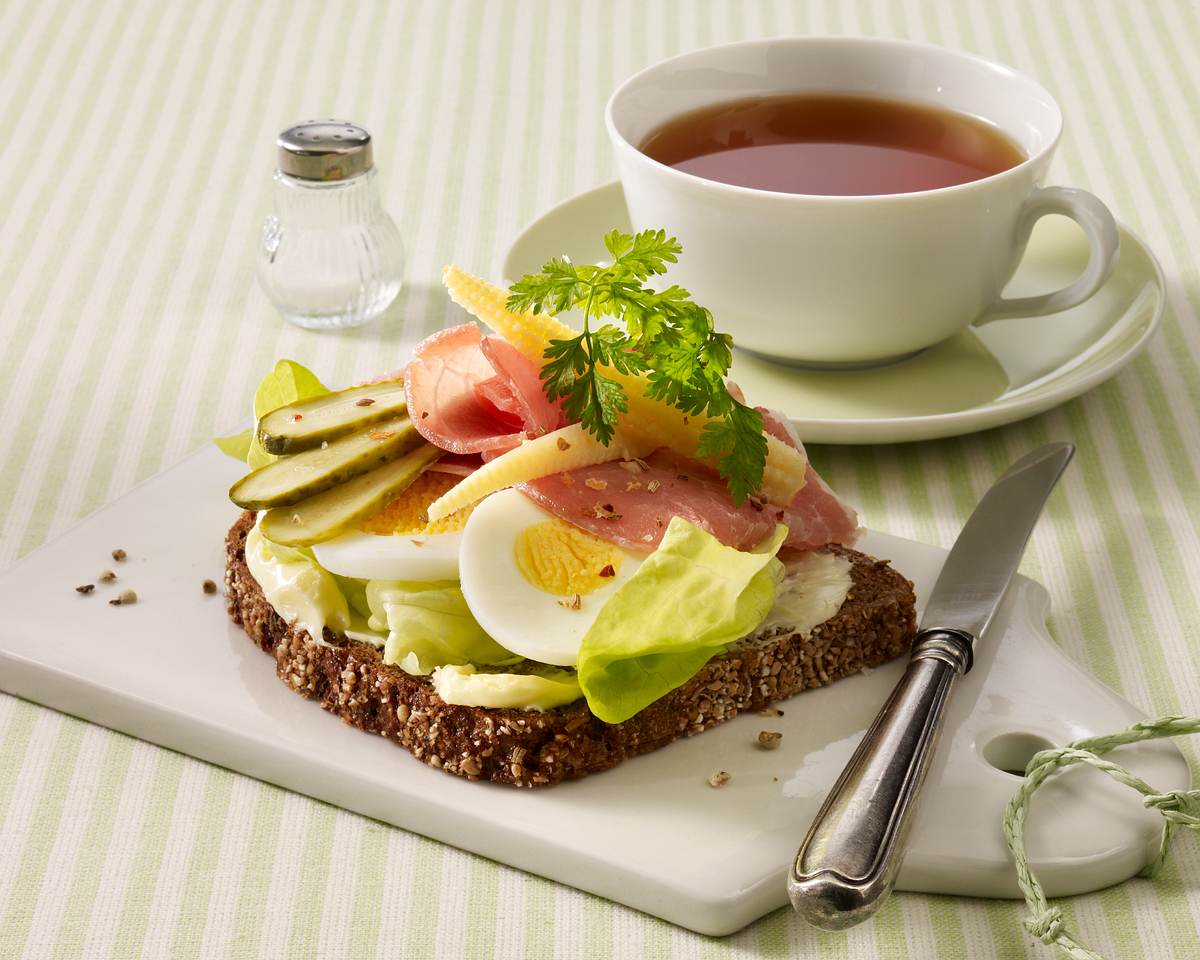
667 336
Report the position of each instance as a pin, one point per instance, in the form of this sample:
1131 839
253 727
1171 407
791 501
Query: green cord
1178 808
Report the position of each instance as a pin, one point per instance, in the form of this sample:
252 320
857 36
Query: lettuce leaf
355 592
690 599
544 689
237 445
429 625
287 383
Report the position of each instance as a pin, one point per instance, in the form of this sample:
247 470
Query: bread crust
526 748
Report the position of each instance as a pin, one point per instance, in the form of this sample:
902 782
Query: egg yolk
564 560
406 514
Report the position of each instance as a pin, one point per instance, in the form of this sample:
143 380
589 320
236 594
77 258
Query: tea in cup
848 201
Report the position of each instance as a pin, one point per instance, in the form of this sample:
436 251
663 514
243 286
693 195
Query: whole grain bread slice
522 748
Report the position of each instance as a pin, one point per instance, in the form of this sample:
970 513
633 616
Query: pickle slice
309 423
327 514
300 476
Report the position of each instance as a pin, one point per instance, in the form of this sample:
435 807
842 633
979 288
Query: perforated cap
325 150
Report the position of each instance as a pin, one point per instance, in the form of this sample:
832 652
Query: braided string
1177 808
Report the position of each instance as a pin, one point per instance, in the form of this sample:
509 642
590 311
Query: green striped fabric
137 147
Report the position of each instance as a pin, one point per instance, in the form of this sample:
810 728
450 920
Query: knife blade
849 860
988 551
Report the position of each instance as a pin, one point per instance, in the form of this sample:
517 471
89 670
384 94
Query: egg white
516 614
393 556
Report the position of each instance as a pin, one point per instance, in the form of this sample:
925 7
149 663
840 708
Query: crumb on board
119 554
107 576
123 599
769 739
719 779
85 588
209 586
770 712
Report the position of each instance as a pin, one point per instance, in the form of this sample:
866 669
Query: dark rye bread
525 748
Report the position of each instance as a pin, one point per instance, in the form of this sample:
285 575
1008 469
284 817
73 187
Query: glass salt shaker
330 255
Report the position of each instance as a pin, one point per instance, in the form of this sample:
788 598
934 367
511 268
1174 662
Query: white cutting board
651 834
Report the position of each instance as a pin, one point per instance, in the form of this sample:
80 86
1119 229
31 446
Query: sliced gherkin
294 478
335 511
309 423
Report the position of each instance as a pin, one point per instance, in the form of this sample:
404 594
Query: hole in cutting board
1011 752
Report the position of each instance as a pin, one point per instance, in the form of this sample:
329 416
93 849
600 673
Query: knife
847 864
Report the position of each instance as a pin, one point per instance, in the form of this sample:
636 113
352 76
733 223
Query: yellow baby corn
486 302
566 449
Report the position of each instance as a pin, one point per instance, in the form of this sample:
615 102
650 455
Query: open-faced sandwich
534 552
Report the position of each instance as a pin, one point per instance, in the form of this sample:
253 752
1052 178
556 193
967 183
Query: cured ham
816 509
473 394
523 381
630 503
456 465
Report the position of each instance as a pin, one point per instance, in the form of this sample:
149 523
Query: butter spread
462 685
813 590
298 590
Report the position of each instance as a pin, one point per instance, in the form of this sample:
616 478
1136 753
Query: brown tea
832 145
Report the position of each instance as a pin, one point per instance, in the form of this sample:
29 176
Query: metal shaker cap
325 150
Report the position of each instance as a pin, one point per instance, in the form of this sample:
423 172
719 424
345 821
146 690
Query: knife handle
847 864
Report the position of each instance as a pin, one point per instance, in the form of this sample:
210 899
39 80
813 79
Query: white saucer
978 379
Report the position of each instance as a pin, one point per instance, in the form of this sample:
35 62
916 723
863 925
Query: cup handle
1103 238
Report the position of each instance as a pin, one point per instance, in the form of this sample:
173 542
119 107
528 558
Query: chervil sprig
667 337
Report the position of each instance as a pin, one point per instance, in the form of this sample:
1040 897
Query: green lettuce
543 689
287 383
429 625
355 592
689 600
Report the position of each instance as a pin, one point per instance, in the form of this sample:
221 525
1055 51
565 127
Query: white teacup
854 280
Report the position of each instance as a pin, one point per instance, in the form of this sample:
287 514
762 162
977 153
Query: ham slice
473 394
816 515
630 503
457 465
524 383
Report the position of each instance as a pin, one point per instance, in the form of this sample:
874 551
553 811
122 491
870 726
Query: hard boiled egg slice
534 582
398 543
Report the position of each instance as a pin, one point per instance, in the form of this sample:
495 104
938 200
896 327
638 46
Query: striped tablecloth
136 144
